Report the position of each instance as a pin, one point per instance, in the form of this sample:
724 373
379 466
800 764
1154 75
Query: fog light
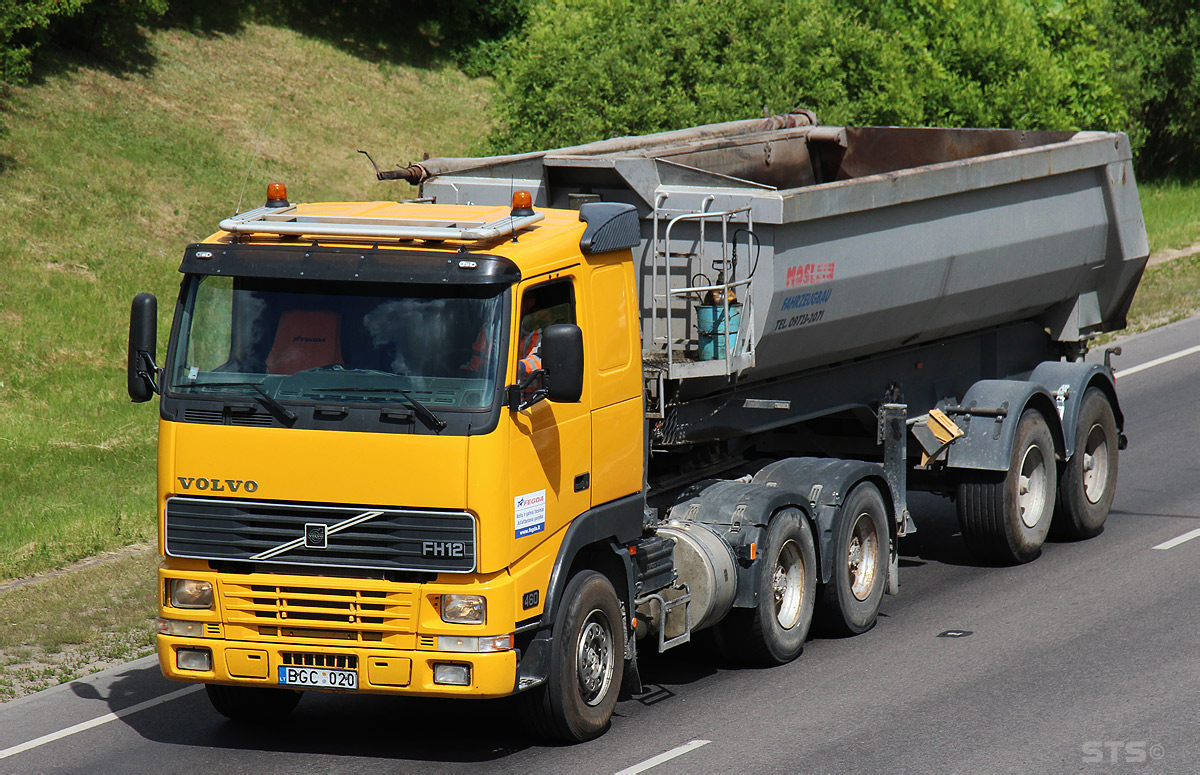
464 609
178 627
191 593
450 673
193 659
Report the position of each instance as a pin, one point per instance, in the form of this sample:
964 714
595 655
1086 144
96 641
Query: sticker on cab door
529 513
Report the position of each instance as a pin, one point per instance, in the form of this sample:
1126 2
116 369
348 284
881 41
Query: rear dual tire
774 631
1089 478
853 596
1005 515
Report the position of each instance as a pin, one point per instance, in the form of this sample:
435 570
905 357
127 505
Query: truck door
551 443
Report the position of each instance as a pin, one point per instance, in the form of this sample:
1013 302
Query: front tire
1089 478
1005 516
587 663
774 631
853 596
252 704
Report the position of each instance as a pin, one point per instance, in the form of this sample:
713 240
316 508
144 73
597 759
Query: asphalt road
1087 659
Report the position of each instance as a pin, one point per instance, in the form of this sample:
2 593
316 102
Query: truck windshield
342 342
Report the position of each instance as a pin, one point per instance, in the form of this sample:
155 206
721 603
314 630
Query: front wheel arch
586 667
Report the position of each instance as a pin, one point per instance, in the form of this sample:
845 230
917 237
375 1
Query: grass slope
1172 212
103 180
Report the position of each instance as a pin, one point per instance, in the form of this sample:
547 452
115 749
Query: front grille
338 661
337 536
329 609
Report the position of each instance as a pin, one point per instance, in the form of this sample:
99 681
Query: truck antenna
510 215
254 157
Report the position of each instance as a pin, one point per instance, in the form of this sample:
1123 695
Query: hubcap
787 583
595 658
1031 486
863 556
1095 464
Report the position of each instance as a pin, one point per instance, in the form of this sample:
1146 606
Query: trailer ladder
681 348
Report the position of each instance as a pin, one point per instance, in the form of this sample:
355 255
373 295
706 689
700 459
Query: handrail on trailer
727 270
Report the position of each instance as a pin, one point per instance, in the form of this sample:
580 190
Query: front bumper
380 671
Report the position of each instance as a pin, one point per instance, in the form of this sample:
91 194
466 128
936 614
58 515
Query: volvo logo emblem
315 536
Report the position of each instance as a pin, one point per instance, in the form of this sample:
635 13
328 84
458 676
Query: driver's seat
306 339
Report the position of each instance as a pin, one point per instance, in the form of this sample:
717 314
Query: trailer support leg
892 433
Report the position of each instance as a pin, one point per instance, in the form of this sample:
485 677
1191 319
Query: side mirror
143 340
562 360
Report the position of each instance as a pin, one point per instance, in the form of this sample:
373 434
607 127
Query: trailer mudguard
1067 382
825 482
989 433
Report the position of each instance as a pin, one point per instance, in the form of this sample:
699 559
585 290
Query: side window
541 305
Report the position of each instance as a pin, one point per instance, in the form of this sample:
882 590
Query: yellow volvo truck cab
400 451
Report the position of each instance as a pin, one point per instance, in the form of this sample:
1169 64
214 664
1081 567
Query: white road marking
667 756
1158 361
1177 540
85 725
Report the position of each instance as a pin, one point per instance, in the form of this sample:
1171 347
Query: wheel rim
1095 464
788 585
862 556
595 657
1031 486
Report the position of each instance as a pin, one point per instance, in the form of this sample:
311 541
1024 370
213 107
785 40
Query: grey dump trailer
834 315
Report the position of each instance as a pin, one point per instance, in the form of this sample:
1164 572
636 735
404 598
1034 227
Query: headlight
464 609
190 593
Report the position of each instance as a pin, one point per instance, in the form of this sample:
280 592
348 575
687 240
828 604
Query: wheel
774 631
1089 478
1005 515
252 704
861 556
587 663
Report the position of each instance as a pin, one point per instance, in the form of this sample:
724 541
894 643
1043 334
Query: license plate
318 677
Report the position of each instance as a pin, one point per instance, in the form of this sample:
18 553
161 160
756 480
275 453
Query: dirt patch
90 562
1163 256
65 624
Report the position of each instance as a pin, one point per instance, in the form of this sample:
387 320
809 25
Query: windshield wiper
425 412
266 398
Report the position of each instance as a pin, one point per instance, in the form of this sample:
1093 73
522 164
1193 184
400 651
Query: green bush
1166 41
1008 62
587 69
